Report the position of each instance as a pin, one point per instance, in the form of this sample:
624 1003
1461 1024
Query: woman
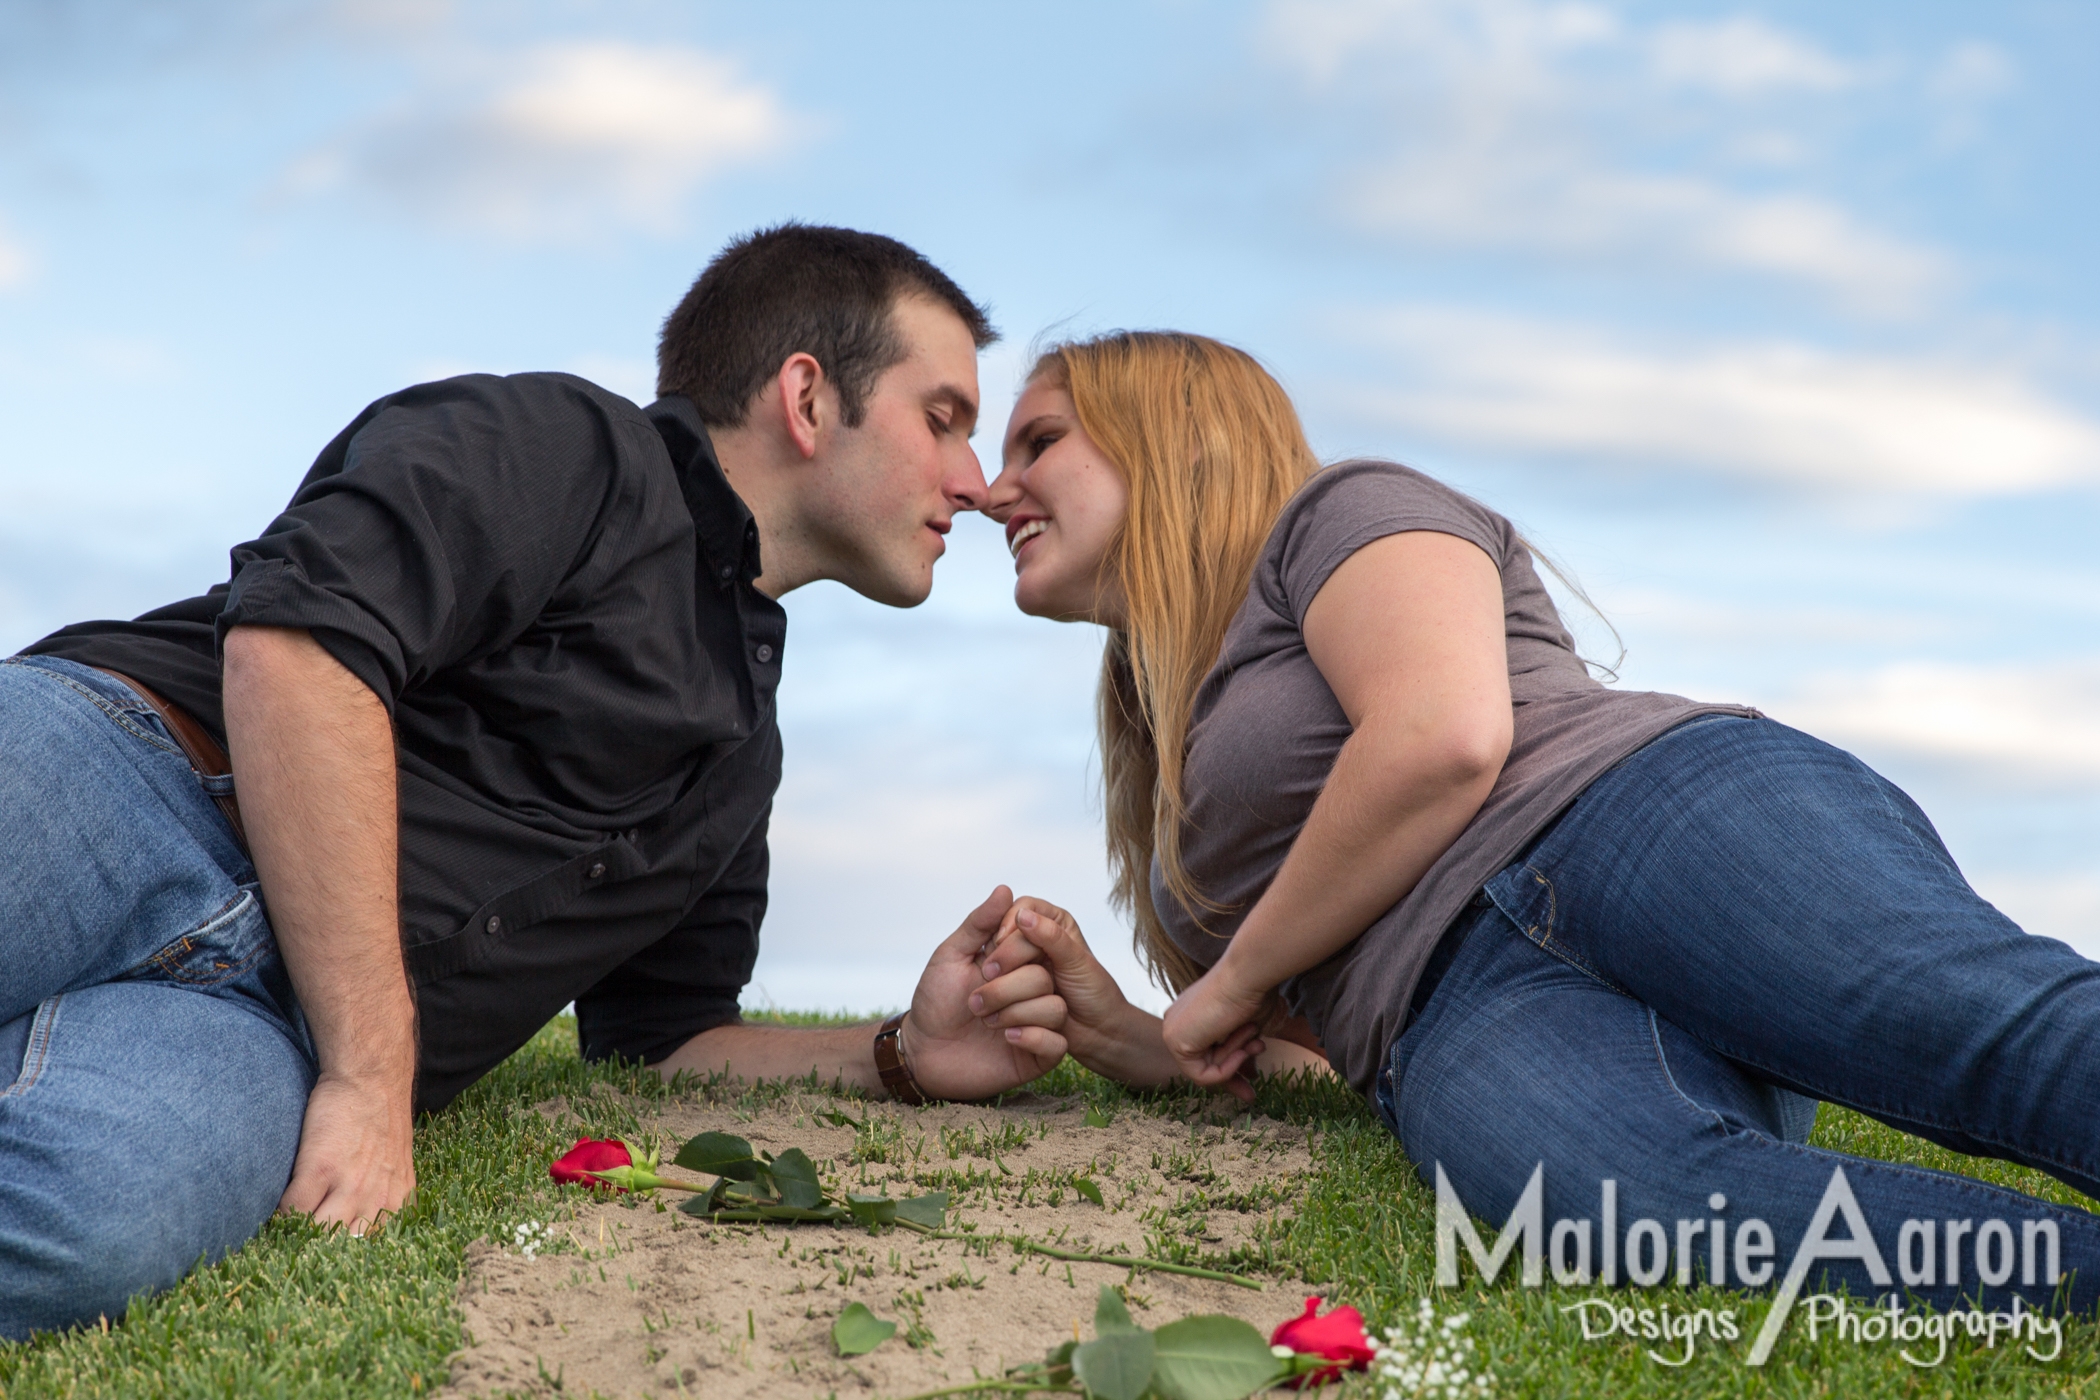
1353 764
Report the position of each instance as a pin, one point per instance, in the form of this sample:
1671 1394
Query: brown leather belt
205 756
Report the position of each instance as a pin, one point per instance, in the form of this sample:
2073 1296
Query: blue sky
1774 324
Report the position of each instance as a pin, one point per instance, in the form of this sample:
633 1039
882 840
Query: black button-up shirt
551 590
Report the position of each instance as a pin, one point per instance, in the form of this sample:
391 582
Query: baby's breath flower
1429 1358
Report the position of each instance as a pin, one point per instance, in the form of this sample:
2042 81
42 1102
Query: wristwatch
889 1062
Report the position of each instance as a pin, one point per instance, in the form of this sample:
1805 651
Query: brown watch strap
889 1062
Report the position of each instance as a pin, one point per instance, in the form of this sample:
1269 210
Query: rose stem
1075 1256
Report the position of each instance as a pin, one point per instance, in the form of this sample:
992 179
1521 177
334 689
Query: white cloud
14 260
1972 71
575 138
1478 195
877 858
1776 412
1742 56
1522 126
2019 727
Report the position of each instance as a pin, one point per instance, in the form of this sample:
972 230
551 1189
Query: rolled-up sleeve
435 528
689 980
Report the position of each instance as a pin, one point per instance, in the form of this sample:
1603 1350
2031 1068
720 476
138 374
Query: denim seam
1969 1185
1872 1106
1863 1165
1547 943
38 1052
118 716
168 960
1662 1060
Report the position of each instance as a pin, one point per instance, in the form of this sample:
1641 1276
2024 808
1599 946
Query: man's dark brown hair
799 288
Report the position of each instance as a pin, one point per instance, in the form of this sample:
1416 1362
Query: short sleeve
1350 504
690 980
435 527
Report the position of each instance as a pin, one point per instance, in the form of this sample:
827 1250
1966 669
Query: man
498 694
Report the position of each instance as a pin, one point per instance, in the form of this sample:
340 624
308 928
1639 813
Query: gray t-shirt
1266 729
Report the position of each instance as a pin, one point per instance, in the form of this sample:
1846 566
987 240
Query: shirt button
494 925
765 653
597 870
728 571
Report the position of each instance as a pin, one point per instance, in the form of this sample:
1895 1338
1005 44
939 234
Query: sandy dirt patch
630 1300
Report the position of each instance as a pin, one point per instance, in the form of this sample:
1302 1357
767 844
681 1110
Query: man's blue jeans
155 1062
1737 921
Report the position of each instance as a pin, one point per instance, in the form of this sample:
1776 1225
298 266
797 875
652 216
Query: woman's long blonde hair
1211 450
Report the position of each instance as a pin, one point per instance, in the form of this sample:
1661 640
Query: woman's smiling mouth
1028 530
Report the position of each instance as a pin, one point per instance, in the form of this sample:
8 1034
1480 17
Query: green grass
303 1313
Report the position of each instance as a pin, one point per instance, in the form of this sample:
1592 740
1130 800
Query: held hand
356 1161
1106 1033
1035 939
1212 1030
953 1054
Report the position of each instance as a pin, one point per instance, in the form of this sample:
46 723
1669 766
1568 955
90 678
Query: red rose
587 1156
1339 1336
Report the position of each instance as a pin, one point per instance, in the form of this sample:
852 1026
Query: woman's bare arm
1408 633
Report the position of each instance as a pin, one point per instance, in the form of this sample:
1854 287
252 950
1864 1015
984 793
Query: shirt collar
728 534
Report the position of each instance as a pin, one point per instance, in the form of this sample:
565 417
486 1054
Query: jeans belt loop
207 760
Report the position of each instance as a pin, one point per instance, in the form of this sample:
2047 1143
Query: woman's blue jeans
155 1062
1737 921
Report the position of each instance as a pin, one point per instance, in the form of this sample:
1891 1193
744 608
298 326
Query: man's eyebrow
965 406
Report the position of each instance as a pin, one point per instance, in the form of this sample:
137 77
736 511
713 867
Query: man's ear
802 401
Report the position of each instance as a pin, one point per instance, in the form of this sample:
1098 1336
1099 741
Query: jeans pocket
222 948
25 1044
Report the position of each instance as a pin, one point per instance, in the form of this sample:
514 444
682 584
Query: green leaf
1088 1189
754 1214
708 1203
1109 1313
872 1211
1060 1361
720 1154
1212 1358
838 1120
1117 1366
1095 1118
796 1178
930 1210
859 1331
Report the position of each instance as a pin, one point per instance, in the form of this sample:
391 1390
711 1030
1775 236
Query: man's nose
965 485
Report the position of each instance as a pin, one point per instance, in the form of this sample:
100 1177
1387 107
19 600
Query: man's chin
906 592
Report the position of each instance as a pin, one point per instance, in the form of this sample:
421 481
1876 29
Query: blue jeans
155 1062
1736 922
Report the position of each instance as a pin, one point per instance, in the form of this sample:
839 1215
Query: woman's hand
1213 1028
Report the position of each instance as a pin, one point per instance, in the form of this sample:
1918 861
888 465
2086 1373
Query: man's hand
953 1054
313 762
355 1156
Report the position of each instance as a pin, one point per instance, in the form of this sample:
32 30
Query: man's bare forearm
313 765
842 1054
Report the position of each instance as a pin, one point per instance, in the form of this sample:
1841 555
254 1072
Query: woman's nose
1003 494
